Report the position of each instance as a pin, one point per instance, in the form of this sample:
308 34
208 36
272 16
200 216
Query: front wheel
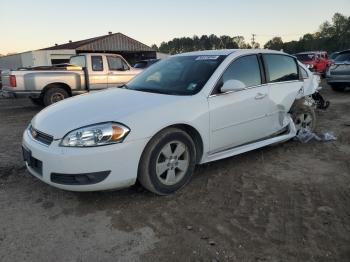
168 162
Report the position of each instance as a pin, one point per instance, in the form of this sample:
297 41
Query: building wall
34 58
10 61
44 57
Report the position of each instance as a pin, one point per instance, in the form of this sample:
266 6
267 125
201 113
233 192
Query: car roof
344 51
311 52
227 52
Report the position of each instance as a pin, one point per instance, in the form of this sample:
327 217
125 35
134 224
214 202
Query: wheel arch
193 133
65 86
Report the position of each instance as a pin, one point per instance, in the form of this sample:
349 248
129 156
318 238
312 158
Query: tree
155 47
331 36
205 42
275 43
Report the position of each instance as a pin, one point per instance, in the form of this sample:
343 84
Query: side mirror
232 85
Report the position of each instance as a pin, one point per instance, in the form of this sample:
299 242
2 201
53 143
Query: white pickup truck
84 73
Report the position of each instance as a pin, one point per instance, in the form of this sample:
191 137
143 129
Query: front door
240 117
119 72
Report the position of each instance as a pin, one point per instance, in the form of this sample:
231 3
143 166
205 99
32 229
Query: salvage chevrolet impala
186 110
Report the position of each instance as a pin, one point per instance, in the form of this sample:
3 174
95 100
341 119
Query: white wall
34 58
10 61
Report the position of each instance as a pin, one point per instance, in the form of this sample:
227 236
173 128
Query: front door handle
260 96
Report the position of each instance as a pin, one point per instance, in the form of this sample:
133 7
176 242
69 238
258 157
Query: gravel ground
289 202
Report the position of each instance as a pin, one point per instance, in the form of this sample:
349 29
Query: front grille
40 136
79 179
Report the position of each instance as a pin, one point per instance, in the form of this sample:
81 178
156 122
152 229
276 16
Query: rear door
97 72
119 72
284 83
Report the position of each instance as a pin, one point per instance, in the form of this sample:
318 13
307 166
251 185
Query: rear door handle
260 96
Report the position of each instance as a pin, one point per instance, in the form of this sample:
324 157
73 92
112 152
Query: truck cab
315 61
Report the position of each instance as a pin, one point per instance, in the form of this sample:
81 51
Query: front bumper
119 160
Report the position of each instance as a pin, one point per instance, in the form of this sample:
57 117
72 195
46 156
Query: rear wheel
54 95
168 162
304 117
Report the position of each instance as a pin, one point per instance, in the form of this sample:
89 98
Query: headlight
96 135
310 66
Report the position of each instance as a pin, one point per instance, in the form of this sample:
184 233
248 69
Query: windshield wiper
125 86
150 90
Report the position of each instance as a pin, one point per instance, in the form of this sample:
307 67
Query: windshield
305 57
179 75
343 57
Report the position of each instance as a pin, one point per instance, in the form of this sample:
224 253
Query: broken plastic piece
328 136
305 135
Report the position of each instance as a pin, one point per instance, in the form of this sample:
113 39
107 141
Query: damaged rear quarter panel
282 97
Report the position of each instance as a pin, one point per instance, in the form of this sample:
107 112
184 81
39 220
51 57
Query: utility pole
253 40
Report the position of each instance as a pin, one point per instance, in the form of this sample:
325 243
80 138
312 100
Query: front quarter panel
191 110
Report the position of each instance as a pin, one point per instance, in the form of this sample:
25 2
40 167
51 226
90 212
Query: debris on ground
305 135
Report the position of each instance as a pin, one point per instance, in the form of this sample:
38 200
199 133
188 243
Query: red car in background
316 61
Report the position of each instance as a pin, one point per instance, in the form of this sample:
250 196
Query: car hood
114 104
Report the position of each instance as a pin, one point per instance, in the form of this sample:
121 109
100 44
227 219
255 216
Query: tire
163 171
37 101
304 117
338 88
54 94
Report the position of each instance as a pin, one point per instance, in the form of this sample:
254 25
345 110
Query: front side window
115 63
178 75
245 69
97 63
281 68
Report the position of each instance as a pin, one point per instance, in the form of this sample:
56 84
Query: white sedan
186 110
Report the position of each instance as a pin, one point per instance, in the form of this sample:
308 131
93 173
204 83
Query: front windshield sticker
207 57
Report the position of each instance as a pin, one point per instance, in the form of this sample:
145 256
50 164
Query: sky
34 24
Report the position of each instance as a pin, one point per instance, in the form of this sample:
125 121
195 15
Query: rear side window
245 69
303 72
78 60
281 68
343 57
97 63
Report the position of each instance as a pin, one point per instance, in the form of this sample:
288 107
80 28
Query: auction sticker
207 57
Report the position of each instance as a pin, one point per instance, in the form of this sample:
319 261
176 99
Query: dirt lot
289 202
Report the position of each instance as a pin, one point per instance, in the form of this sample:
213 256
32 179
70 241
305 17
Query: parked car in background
315 61
85 72
189 109
145 63
338 74
332 57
